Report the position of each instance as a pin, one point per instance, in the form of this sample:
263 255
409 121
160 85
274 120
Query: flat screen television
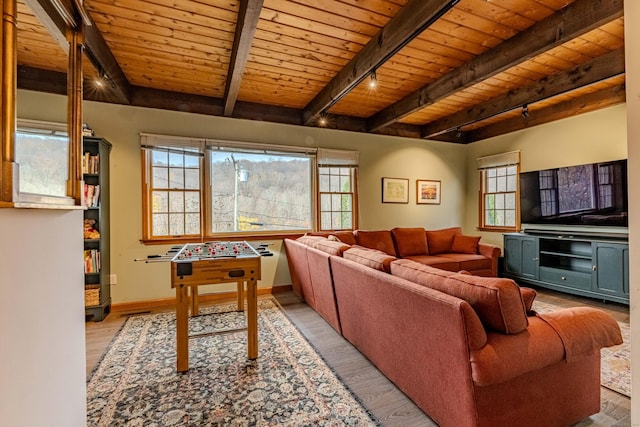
582 195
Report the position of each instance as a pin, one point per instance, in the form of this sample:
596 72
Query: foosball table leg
182 328
240 295
195 309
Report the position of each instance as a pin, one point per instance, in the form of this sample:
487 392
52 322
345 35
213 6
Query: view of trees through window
43 163
336 197
499 188
260 191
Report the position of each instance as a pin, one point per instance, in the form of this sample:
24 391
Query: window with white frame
499 191
200 188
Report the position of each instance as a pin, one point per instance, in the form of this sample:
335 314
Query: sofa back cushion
310 240
497 301
330 246
462 244
370 257
380 240
344 236
439 241
410 241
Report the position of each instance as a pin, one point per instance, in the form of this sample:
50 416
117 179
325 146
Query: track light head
373 80
525 111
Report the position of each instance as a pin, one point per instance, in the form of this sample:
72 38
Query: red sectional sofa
466 349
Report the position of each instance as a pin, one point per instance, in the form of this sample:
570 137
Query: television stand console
589 265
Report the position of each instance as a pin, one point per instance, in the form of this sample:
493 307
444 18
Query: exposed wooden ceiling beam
248 17
570 22
50 18
406 24
102 58
584 104
598 69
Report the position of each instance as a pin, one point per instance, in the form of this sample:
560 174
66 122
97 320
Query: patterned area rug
615 370
136 383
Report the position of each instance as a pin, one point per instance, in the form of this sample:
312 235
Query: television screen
591 194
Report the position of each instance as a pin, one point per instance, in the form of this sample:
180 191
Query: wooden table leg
182 328
195 309
252 318
240 295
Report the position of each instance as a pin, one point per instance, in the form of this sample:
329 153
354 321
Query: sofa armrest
492 252
583 330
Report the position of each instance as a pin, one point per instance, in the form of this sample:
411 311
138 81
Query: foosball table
212 263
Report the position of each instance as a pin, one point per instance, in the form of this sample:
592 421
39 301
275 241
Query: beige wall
379 156
592 137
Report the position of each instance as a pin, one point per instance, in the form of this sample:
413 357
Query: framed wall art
428 192
395 190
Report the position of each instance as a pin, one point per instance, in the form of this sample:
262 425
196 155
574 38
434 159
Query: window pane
191 161
324 183
192 202
192 179
160 201
160 177
43 161
510 218
176 224
325 202
336 200
192 223
176 178
345 183
335 183
499 199
510 201
491 185
176 160
276 194
501 184
160 225
511 183
176 201
160 158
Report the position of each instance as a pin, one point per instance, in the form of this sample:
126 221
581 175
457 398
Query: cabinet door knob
563 278
594 268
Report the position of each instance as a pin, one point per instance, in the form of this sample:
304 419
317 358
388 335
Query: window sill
497 229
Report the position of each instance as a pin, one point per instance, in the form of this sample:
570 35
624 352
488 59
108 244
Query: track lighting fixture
322 120
373 80
525 111
458 133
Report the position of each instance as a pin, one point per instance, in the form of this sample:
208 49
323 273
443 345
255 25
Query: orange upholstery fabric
370 257
410 241
497 301
583 330
439 241
345 237
331 247
465 244
380 240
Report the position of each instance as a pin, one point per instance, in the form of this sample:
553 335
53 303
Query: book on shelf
91 195
91 261
90 163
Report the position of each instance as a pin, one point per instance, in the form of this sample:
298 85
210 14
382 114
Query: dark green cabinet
585 265
97 277
521 256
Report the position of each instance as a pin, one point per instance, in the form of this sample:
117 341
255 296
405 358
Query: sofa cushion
436 261
410 241
370 257
309 239
497 301
463 244
380 240
467 261
331 247
344 237
439 241
528 296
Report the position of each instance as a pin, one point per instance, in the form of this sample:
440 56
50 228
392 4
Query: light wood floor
377 393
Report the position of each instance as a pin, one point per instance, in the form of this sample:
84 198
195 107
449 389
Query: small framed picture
395 190
428 192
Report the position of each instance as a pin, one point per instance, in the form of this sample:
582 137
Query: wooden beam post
8 78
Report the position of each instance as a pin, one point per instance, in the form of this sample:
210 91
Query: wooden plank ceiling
451 70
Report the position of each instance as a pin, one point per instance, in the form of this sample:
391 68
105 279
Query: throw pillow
465 244
439 241
410 241
374 239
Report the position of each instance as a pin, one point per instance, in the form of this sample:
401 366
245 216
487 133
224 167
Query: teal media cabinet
584 264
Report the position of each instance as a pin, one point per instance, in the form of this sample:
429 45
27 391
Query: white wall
632 65
380 156
592 137
42 349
